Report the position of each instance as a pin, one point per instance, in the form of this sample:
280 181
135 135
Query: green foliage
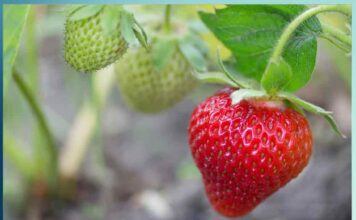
251 32
193 55
241 94
277 75
314 109
19 158
110 19
14 19
83 12
162 52
132 30
214 77
127 22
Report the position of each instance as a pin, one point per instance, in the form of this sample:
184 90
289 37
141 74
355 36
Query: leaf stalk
291 28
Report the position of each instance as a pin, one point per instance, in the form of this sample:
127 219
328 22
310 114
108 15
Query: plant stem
343 64
38 113
167 18
18 157
31 49
32 74
336 42
278 50
336 37
340 35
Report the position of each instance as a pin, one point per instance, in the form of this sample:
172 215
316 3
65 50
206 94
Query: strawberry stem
40 116
291 28
167 18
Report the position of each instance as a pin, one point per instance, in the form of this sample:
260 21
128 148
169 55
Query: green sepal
110 19
277 75
162 52
249 83
70 9
214 77
196 40
83 12
314 109
131 30
239 82
127 23
140 34
241 94
193 55
294 106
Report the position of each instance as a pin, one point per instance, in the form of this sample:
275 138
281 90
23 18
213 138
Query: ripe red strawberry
247 151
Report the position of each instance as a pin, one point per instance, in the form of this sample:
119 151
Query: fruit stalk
167 18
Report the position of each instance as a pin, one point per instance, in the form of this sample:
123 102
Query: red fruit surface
247 151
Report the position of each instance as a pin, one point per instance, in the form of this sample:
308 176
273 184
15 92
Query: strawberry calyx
111 16
250 91
292 100
169 35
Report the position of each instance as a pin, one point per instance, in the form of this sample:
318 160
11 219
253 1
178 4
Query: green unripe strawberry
148 89
87 48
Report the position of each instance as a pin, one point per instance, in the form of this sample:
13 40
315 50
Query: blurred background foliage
139 166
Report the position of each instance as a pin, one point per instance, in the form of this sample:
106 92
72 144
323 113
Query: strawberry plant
248 140
252 139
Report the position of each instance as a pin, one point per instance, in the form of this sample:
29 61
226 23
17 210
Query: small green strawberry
155 79
94 36
147 89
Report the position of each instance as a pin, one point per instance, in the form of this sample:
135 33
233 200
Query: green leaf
252 31
110 20
196 40
193 55
241 94
277 76
214 77
85 12
162 52
14 20
314 109
127 23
